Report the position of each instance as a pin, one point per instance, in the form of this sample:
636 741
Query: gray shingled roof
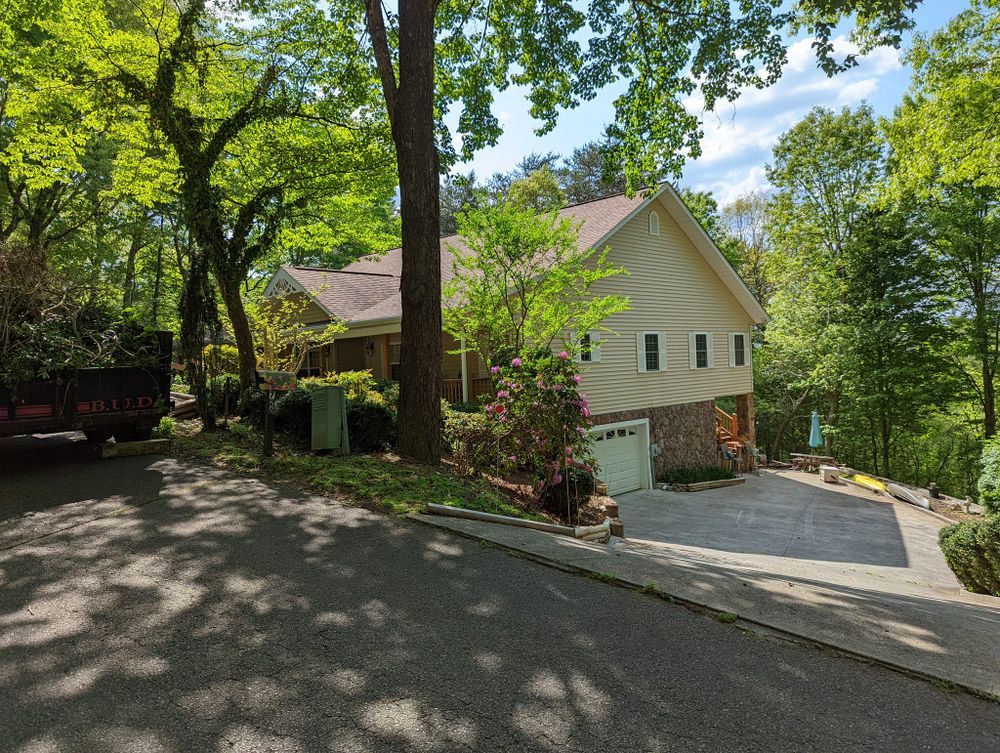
368 289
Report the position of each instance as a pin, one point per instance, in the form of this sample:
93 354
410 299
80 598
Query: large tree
434 53
270 124
826 169
945 143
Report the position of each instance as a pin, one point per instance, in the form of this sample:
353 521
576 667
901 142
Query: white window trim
693 350
654 223
732 350
595 346
640 350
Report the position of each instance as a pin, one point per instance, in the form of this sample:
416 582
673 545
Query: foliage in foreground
49 324
696 475
378 481
989 481
538 424
972 550
522 280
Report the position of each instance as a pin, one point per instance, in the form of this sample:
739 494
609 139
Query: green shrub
472 439
972 550
466 407
165 429
218 386
222 359
696 475
389 389
371 427
989 479
293 412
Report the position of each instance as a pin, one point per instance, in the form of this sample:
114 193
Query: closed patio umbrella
815 434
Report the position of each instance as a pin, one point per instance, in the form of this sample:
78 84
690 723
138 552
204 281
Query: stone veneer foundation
685 434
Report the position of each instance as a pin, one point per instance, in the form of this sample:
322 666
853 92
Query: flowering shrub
541 422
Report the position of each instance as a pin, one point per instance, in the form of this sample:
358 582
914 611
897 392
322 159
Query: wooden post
465 372
746 417
269 426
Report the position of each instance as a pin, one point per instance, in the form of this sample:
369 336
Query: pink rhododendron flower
503 393
563 354
494 369
516 362
577 378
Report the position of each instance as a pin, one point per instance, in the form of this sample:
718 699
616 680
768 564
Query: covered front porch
464 376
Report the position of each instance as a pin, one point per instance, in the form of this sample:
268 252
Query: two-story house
652 384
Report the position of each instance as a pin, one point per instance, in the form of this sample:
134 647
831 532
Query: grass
603 577
381 482
727 617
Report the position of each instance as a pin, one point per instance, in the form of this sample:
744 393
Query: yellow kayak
869 483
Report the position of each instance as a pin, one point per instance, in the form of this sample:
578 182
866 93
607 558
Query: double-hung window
738 349
651 351
589 344
701 350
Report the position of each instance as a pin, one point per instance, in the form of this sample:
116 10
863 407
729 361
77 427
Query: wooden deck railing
451 389
727 425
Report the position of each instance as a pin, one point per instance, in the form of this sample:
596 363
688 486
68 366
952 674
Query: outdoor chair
730 459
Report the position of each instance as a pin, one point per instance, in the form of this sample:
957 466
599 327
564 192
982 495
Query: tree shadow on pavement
231 614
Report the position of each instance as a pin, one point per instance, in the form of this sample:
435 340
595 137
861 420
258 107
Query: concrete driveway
791 523
833 563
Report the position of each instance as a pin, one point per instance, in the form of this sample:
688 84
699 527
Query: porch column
465 372
746 417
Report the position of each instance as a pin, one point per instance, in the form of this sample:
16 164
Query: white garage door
621 457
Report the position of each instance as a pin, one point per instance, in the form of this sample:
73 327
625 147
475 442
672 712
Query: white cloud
734 183
739 137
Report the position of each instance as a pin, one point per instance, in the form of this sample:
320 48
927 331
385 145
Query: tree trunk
831 421
241 333
989 400
419 433
133 251
886 442
786 419
158 279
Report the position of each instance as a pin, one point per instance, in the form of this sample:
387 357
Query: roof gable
368 289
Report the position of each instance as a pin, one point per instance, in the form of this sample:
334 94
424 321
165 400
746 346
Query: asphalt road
179 608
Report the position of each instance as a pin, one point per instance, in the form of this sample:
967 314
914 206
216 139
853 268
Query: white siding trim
640 351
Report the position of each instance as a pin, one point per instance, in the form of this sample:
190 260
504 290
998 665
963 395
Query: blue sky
738 139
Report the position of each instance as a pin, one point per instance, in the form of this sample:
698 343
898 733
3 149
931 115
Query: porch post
746 417
465 372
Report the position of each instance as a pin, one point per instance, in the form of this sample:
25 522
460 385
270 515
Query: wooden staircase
727 427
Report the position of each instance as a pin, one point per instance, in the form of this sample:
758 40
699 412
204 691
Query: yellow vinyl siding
673 290
451 363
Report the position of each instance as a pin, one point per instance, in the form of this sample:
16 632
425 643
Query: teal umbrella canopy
815 434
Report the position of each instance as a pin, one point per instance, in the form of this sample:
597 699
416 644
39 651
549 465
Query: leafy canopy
661 52
522 279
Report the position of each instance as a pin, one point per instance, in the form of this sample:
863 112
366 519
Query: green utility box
329 420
